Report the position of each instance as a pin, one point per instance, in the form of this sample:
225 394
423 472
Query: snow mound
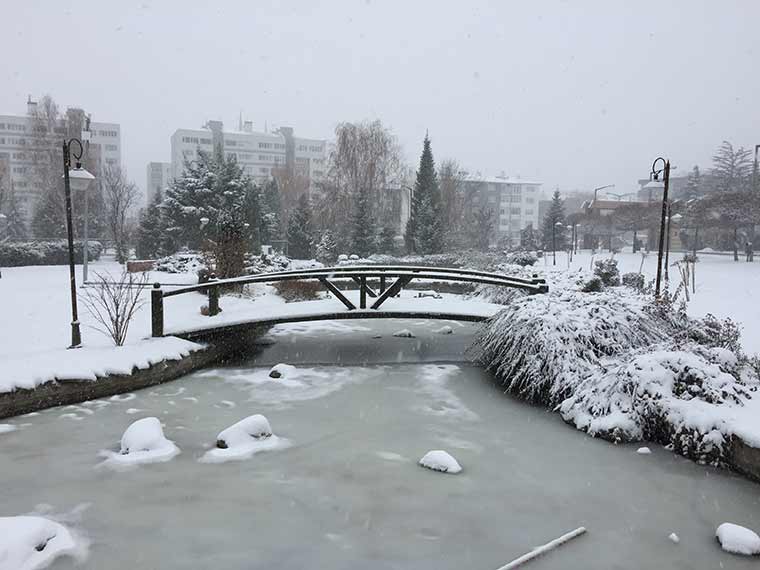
644 451
439 460
429 294
445 329
255 426
404 333
142 442
280 370
33 542
7 428
738 539
243 440
674 538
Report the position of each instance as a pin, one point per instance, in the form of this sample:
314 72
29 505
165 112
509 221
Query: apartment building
258 153
513 200
16 160
158 176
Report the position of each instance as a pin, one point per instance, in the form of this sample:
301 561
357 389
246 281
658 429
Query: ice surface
142 442
7 428
439 460
738 539
33 542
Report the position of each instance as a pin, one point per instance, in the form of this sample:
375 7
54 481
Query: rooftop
500 179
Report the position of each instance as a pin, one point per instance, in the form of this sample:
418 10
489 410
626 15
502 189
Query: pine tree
551 230
693 187
299 229
271 213
386 241
150 230
327 248
424 230
363 230
14 222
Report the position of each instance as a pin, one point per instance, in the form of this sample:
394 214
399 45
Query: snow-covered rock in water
342 257
243 440
429 294
738 539
644 451
280 370
674 538
255 426
445 329
353 257
142 442
32 542
404 333
439 460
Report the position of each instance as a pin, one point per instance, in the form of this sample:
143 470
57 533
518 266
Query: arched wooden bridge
380 283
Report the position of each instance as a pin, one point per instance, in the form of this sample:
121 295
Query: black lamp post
554 241
79 179
655 175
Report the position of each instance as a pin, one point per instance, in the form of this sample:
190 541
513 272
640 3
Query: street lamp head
654 184
79 178
559 224
676 218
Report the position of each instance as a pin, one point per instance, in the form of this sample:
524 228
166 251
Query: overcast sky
574 94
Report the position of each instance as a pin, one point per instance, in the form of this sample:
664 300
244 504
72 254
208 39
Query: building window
514 211
529 200
107 133
529 212
264 170
302 148
206 141
315 149
279 146
112 147
265 145
230 143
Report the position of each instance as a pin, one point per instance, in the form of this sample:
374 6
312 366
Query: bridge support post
362 292
157 310
213 298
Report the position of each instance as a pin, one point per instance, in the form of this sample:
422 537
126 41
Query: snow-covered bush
184 262
623 367
293 291
593 285
18 254
522 258
633 280
542 346
607 271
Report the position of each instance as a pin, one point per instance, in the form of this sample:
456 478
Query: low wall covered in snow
72 391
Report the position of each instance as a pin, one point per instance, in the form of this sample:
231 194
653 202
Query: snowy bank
33 542
619 366
90 363
142 442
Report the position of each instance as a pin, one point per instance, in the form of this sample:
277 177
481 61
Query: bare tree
732 169
113 304
120 196
453 197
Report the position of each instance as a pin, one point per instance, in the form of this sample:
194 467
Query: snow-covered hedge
17 254
194 262
621 367
522 258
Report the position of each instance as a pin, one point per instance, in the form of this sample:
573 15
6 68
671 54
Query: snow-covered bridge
378 284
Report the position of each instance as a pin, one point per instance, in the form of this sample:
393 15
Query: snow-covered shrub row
522 258
607 271
633 280
619 366
195 262
182 262
17 254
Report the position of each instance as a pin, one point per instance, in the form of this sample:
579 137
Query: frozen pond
348 494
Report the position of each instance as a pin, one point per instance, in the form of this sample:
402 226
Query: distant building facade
259 154
158 175
514 202
16 162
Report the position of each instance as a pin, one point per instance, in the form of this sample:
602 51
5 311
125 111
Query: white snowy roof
500 180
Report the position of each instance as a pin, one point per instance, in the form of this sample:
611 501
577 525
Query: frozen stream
348 493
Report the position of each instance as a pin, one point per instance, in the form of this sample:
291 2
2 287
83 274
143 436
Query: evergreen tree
299 229
386 241
693 187
732 169
529 238
327 248
208 188
551 231
424 231
363 230
271 213
14 222
150 230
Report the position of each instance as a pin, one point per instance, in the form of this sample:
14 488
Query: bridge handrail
537 285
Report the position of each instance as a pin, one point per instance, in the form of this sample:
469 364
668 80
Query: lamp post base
76 335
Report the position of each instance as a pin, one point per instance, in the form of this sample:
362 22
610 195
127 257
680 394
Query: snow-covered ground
725 288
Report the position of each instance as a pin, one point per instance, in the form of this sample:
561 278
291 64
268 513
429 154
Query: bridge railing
401 275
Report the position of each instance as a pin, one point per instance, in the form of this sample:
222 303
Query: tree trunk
736 245
635 239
